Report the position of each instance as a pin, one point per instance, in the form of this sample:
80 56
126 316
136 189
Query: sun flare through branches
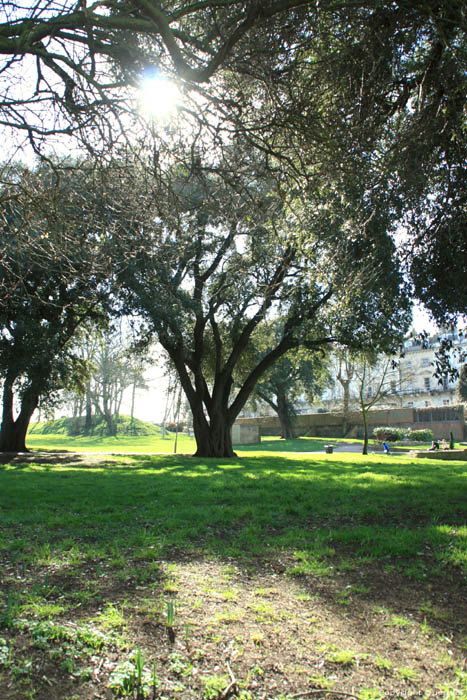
159 96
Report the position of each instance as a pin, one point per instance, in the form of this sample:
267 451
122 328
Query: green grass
302 444
156 444
122 443
88 549
309 505
76 426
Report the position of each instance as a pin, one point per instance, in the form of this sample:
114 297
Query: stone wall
440 454
246 433
441 420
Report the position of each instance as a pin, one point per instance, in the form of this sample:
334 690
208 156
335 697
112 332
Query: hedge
392 434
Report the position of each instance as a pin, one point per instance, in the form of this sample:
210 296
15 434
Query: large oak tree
223 248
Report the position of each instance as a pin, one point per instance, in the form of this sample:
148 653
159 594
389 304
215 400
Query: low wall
441 420
246 433
440 454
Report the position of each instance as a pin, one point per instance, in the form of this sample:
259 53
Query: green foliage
10 612
425 435
214 686
53 280
296 374
132 679
4 651
393 434
388 433
462 385
170 614
211 232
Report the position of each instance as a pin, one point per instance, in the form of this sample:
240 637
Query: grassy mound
76 427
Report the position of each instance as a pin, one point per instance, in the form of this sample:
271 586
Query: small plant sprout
7 618
139 665
170 614
4 651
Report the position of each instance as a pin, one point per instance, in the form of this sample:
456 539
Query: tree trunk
213 438
13 432
108 417
345 410
364 410
132 410
365 432
88 414
111 424
285 417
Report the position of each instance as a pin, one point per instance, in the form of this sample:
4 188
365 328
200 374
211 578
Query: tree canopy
53 278
372 91
223 250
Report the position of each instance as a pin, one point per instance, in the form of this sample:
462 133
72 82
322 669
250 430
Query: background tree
345 371
117 367
462 385
373 384
114 365
294 376
52 281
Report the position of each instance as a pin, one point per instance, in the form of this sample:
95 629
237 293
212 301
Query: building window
425 362
427 383
410 404
427 403
393 387
445 402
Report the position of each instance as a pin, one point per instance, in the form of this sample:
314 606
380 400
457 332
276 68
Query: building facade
407 381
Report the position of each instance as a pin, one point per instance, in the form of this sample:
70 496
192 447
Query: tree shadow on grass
112 523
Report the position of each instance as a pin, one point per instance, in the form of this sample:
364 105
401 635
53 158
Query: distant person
434 446
387 451
444 444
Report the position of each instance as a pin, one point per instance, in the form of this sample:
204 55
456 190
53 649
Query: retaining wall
441 420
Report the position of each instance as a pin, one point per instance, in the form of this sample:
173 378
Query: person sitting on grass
387 451
434 446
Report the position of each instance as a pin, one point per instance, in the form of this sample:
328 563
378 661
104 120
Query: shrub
425 435
388 433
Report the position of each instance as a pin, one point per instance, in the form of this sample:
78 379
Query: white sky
149 405
422 320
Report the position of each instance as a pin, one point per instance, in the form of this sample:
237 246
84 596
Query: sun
159 96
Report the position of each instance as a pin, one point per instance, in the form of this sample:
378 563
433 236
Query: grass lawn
156 444
271 576
122 443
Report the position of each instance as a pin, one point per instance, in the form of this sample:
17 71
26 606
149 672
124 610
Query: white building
409 383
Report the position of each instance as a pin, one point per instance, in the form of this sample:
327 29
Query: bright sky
422 320
149 405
